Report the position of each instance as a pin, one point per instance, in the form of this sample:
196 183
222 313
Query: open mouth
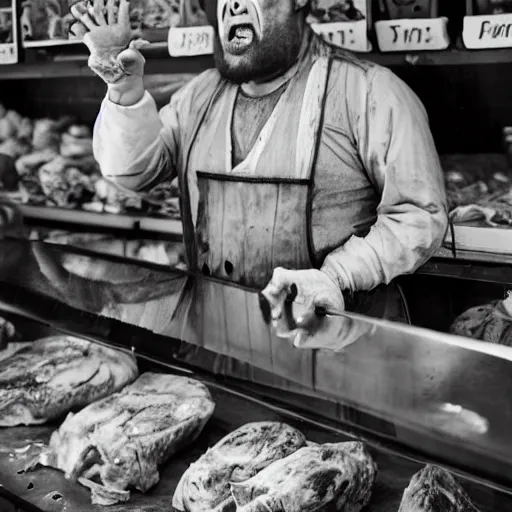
244 31
239 37
241 34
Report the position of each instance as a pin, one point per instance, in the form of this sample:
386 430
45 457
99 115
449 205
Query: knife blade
435 384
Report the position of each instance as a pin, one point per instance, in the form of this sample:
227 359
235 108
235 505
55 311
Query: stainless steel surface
49 491
450 389
447 396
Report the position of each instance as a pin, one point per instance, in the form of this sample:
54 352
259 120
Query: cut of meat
51 376
490 322
435 490
237 457
118 442
333 476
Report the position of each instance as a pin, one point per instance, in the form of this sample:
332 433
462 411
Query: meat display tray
48 491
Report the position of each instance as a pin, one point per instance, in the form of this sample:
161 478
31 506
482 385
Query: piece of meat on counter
237 457
434 489
490 322
478 189
54 375
118 443
332 476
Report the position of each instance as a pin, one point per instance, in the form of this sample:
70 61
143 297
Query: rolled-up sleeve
136 146
396 147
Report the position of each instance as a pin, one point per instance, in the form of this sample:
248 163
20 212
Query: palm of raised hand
107 24
109 38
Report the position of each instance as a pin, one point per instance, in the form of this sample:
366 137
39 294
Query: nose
237 7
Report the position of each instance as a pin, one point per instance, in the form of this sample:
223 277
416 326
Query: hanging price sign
403 35
190 41
491 31
350 35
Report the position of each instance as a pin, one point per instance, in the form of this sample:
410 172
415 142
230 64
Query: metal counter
415 395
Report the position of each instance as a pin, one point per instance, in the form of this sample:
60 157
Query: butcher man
298 163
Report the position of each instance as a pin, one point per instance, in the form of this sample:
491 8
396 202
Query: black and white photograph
255 256
333 11
8 32
49 23
6 27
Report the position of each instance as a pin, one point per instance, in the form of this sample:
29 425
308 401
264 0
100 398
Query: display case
413 396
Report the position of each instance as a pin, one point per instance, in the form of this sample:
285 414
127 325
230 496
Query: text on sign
492 31
189 41
412 34
349 35
8 54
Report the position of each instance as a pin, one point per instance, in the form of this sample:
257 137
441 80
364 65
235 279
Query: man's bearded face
256 39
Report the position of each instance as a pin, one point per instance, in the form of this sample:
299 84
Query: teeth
243 35
242 32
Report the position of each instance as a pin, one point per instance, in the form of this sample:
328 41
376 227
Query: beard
270 56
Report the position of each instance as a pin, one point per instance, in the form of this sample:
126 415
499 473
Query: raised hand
105 28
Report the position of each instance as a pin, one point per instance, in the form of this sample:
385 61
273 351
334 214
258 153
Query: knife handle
308 320
290 320
266 308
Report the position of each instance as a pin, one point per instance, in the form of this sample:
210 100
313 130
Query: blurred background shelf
72 65
46 63
135 224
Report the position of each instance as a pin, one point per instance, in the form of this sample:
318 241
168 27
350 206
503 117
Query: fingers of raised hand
124 12
77 30
112 11
94 13
97 9
80 12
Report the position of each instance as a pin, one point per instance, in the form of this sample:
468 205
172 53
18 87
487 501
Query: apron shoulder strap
311 117
341 55
201 101
201 96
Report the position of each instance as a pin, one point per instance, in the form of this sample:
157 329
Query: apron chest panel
245 228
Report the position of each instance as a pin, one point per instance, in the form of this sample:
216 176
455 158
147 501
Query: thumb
132 61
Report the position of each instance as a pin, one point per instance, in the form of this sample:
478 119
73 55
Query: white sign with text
351 35
190 41
490 31
408 35
8 54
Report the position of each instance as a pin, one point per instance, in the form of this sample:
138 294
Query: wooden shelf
123 222
76 66
469 268
158 62
50 43
443 58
